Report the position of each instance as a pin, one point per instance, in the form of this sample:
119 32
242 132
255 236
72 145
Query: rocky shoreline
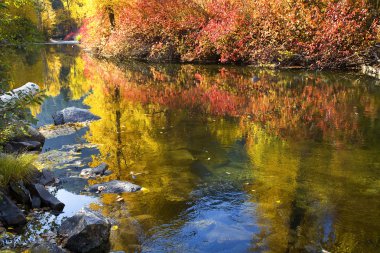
87 230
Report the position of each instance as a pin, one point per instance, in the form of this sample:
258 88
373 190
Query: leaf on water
143 189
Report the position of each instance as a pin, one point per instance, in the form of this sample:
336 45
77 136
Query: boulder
86 231
36 201
10 214
73 115
114 186
47 177
31 134
99 170
22 146
47 199
20 193
46 247
27 90
93 172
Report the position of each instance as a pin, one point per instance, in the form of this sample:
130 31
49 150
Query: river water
231 158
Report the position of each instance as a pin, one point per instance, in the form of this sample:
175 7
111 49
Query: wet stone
20 193
47 199
46 247
115 186
86 231
73 115
10 214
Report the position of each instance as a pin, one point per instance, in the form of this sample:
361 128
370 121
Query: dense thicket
322 33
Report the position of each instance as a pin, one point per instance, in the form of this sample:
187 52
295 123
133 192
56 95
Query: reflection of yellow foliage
52 82
275 169
79 85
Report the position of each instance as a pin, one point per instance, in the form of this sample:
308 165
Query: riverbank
326 35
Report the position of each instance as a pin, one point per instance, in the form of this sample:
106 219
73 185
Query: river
231 158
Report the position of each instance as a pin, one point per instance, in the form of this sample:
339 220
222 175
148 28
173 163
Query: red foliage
322 34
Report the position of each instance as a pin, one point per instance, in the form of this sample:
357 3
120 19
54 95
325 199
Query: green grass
13 168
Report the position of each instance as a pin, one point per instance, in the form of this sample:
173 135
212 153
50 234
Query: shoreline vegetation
322 34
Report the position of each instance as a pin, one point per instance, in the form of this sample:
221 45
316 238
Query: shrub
319 34
14 168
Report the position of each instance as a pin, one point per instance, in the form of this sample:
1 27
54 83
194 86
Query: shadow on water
232 159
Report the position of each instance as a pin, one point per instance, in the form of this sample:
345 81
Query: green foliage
16 116
14 168
18 22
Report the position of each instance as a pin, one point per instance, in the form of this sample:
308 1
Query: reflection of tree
312 196
310 106
160 121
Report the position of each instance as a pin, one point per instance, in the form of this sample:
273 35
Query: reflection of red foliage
312 105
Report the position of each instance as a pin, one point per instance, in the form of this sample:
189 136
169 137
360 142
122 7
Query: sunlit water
233 159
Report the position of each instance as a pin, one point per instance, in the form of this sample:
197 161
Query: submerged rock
54 131
115 186
86 231
46 247
10 214
47 199
73 115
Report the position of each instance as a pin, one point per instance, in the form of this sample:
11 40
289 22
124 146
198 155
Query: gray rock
115 186
31 134
93 172
107 172
46 247
87 173
86 231
73 115
22 146
36 201
10 214
47 177
47 199
20 193
99 170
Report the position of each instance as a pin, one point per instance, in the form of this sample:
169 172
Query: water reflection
233 159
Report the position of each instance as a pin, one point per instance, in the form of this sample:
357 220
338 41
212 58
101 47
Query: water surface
233 159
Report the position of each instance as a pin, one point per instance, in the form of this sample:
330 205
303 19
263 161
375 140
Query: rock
44 177
371 71
92 172
86 231
107 172
87 173
115 186
10 214
31 134
20 193
47 199
47 177
73 115
46 247
22 146
27 90
99 170
36 201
